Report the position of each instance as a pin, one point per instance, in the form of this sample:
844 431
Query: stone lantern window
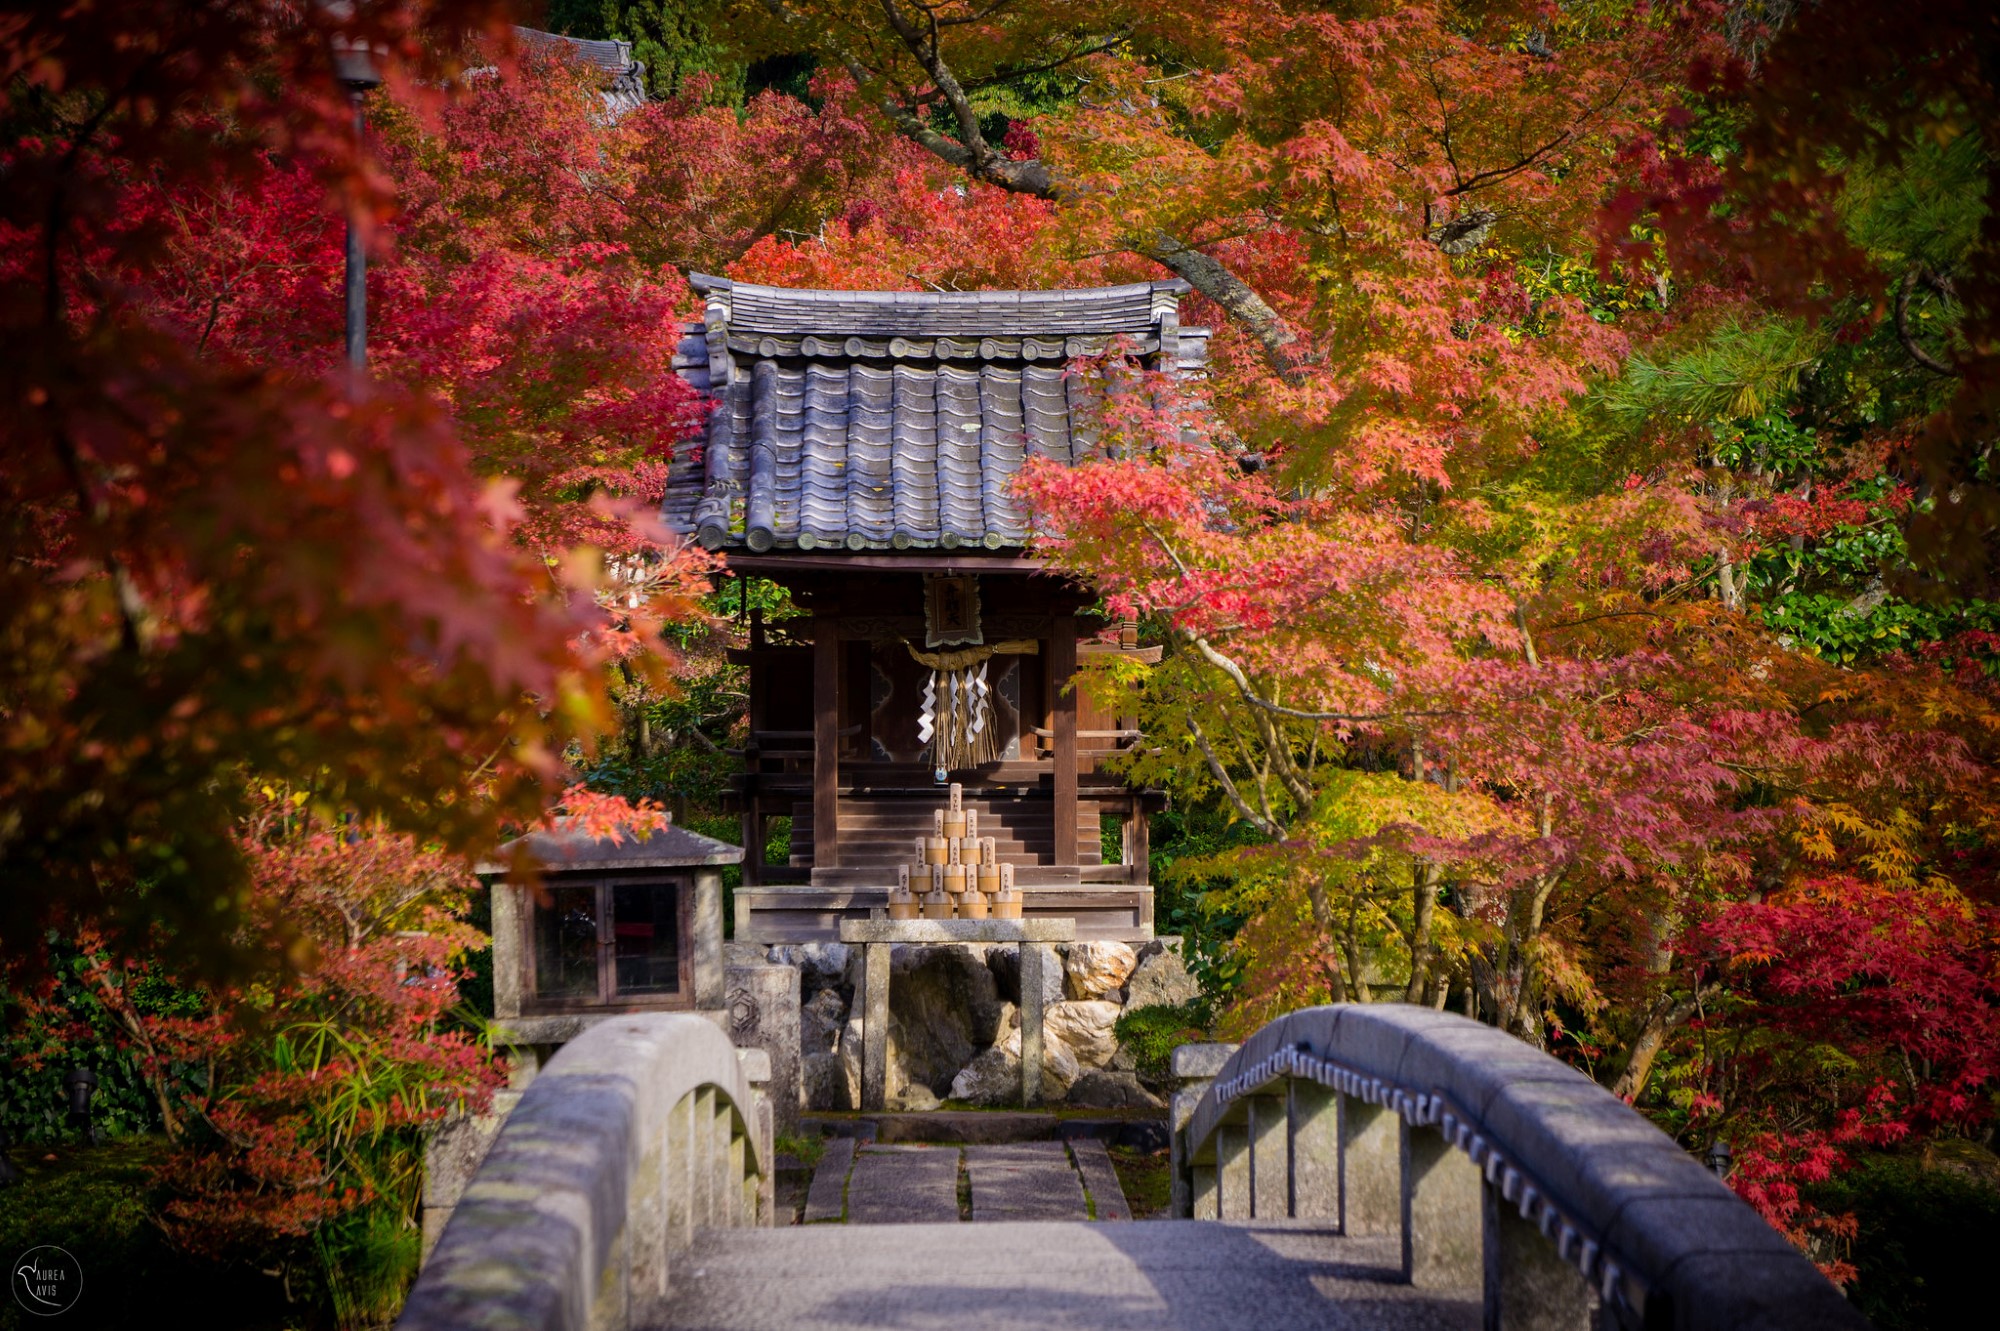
609 941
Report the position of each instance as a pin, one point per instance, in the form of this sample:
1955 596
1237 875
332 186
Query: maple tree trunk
1663 1015
1660 1022
1423 911
114 1000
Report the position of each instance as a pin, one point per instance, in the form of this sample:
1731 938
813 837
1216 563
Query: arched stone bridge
1352 1166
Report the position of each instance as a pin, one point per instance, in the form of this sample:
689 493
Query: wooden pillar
1062 706
826 737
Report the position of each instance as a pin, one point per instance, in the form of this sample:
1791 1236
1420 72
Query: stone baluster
1441 1211
681 1173
1270 1157
1312 1112
1528 1285
1371 1171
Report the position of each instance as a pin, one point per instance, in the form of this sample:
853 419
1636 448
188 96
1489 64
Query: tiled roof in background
623 82
875 420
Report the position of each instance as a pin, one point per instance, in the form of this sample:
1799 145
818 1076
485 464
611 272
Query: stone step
1140 1130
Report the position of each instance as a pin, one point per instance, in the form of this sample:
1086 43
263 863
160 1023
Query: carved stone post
1194 1068
1035 960
875 1024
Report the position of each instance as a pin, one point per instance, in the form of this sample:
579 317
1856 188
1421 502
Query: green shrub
1924 1237
1151 1034
368 1259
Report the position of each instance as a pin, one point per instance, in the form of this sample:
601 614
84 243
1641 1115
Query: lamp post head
353 60
1719 1157
81 1083
354 65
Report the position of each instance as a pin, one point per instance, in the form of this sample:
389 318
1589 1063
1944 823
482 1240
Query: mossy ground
1146 1178
98 1204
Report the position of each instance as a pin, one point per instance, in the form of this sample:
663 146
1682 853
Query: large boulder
821 965
1160 981
850 1056
1105 1088
994 1078
1084 1026
820 1022
944 1007
1097 970
1005 962
825 1082
1060 1065
915 1099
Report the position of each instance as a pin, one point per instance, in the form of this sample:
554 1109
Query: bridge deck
1172 1275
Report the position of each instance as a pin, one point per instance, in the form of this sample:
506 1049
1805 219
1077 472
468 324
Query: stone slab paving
1100 1180
827 1198
1024 1181
903 1185
1169 1275
881 1184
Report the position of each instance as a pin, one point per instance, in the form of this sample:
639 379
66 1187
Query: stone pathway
924 1184
1169 1275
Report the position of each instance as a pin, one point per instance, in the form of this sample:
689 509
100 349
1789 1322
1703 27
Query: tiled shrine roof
623 79
877 420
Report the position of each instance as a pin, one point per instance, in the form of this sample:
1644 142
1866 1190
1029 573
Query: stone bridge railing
638 1133
1504 1171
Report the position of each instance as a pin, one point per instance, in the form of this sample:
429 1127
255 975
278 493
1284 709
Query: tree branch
1903 334
1222 778
972 154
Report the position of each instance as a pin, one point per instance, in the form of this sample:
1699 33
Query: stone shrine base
954 1020
877 937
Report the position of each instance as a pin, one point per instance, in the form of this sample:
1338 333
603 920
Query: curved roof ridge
755 308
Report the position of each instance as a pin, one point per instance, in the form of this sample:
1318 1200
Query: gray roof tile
890 419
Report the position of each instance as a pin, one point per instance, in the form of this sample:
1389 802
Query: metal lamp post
81 1083
1718 1158
355 68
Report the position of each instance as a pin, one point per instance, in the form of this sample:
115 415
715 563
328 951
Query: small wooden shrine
862 454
